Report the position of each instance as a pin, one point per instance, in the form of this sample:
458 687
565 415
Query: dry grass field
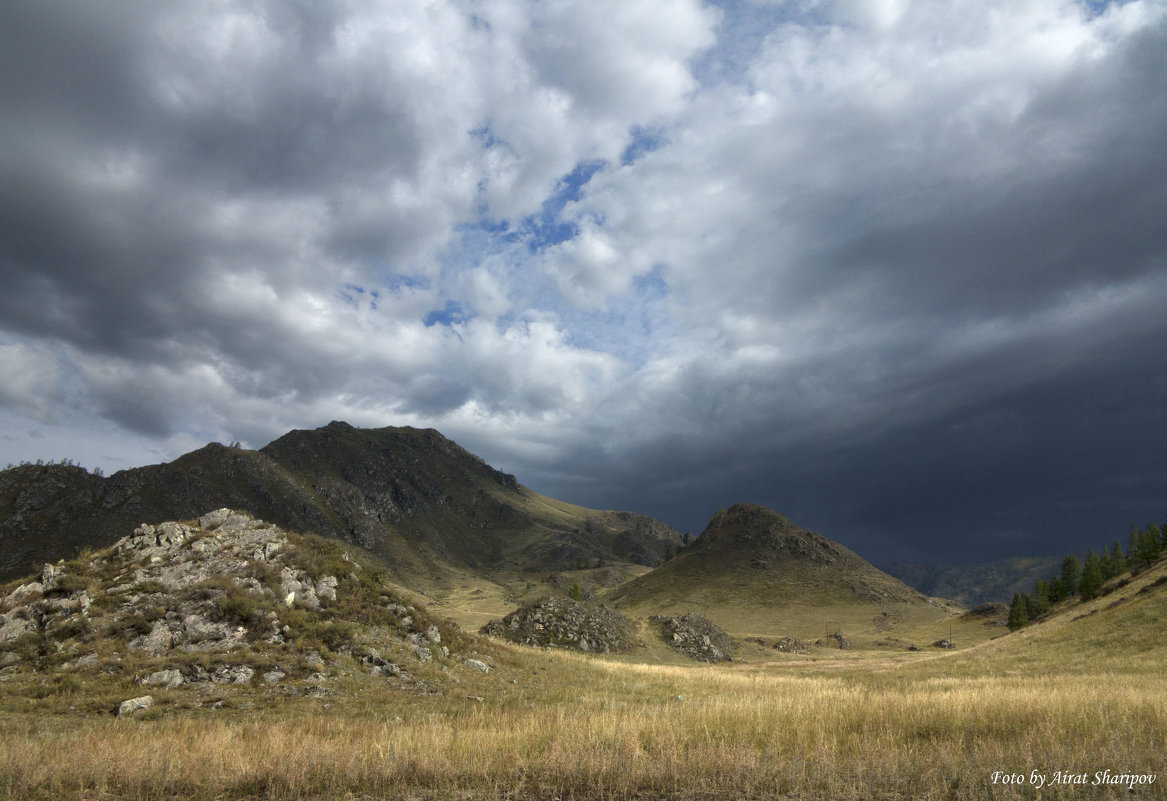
1049 707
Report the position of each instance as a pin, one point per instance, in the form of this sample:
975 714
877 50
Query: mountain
973 585
753 571
412 496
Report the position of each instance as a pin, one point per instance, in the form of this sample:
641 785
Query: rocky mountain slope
227 599
411 496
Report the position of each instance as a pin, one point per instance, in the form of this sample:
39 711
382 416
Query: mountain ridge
410 495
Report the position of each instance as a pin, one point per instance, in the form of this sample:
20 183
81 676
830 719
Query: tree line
1086 578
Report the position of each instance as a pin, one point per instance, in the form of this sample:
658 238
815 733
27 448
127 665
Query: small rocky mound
992 614
563 623
836 640
792 645
695 637
225 599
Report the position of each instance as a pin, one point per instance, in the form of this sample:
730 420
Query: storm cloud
896 269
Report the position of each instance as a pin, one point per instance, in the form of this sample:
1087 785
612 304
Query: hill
976 584
426 505
754 572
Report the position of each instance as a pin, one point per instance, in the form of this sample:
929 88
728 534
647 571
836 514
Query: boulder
212 520
164 678
134 704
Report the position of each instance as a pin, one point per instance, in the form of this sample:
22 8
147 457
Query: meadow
1042 713
592 729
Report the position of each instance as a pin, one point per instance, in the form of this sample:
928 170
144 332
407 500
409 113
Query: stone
326 588
171 534
158 641
695 636
205 547
164 678
50 575
232 674
274 676
792 645
212 520
132 705
198 629
13 626
24 593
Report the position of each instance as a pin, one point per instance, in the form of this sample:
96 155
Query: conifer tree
1091 577
1018 613
1118 556
1071 575
1056 591
1041 598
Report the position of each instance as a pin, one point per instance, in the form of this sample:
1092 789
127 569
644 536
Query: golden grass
1075 694
607 730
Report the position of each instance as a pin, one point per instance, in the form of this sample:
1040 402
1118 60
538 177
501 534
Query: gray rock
24 593
171 534
274 676
13 626
198 629
158 641
164 678
326 588
212 520
134 704
50 575
233 674
205 547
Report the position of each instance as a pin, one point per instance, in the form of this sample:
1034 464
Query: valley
222 653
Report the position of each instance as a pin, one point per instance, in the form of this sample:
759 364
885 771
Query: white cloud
29 380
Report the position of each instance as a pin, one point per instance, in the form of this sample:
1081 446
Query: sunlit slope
1124 630
755 573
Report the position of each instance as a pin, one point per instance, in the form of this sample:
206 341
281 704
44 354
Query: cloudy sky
897 269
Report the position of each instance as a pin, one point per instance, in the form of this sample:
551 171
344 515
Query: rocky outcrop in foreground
225 599
696 637
563 623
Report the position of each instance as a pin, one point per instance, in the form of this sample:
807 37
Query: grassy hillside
1071 697
755 573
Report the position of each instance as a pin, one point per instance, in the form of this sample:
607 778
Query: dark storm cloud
895 269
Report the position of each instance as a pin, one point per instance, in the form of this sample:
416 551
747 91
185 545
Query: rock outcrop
563 623
695 637
195 601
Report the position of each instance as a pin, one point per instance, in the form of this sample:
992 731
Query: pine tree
1071 575
1091 577
1041 598
1118 556
1056 591
1146 546
1018 612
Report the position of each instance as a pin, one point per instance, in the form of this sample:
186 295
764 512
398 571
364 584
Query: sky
896 269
